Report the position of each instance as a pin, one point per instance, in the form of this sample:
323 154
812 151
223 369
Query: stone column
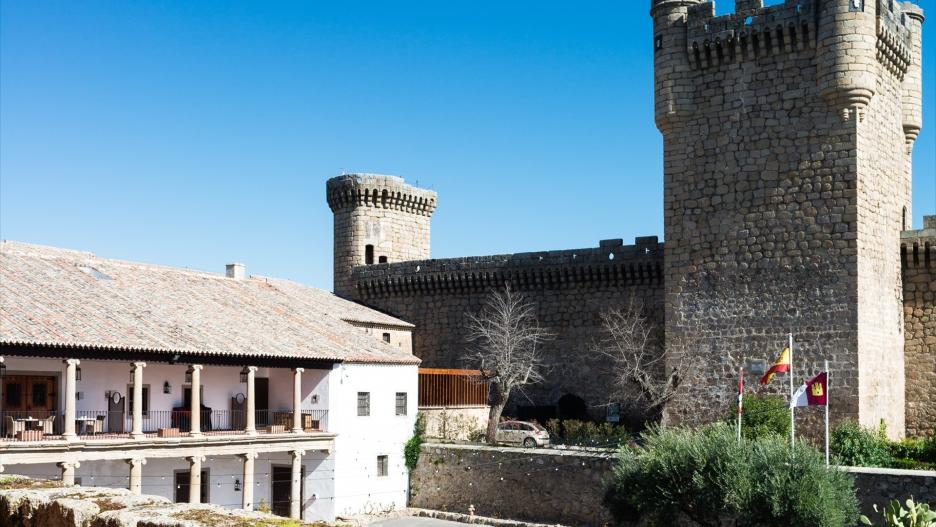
297 400
194 495
137 427
70 385
295 487
68 472
248 496
136 475
196 401
251 427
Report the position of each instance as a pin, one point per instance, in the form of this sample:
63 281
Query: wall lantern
237 485
77 373
243 374
188 374
167 388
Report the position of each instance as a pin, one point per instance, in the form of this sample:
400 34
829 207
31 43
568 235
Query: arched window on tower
903 220
368 255
382 259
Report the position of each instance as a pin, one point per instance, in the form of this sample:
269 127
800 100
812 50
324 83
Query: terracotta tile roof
62 298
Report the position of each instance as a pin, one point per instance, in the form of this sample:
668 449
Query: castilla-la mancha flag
814 392
781 366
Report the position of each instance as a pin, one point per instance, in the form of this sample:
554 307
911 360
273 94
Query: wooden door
281 490
262 400
29 393
183 486
116 405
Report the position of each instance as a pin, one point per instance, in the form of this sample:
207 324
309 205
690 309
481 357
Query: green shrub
915 515
706 476
586 433
412 447
477 435
855 446
764 416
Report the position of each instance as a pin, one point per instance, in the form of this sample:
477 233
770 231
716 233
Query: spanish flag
781 366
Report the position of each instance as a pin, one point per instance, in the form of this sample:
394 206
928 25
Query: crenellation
638 264
751 32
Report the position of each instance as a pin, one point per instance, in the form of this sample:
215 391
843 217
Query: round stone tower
378 219
846 51
673 81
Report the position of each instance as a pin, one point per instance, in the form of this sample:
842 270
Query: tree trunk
498 402
493 418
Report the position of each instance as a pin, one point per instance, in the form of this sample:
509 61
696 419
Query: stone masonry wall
547 486
785 169
567 487
378 211
918 255
570 289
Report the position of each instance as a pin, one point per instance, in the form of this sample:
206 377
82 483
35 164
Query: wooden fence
442 387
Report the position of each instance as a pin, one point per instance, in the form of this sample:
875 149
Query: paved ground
416 522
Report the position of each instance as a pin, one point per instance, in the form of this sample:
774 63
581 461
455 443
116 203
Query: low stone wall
454 423
550 486
567 486
880 485
35 503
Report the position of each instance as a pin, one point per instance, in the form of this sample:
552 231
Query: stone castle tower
378 219
787 134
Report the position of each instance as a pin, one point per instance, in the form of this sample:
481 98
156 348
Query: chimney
237 271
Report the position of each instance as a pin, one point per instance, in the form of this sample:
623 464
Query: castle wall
918 255
785 182
570 289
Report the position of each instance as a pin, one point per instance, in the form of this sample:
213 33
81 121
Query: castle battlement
610 263
918 247
379 191
752 31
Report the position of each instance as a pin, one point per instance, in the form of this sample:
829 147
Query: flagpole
740 397
827 394
792 415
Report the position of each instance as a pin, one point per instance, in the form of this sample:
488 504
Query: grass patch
212 518
107 504
21 483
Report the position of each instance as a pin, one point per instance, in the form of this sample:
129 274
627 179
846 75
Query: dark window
368 254
14 394
145 399
383 466
39 396
386 338
382 259
363 404
401 403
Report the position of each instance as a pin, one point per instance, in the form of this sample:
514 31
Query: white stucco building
256 391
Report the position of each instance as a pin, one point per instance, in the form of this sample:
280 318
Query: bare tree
635 346
506 339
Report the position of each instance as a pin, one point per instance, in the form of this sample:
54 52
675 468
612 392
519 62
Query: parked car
530 435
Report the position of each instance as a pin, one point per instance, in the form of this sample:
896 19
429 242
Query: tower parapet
918 247
613 263
377 219
749 33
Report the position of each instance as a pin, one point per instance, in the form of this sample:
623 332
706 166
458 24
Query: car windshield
535 427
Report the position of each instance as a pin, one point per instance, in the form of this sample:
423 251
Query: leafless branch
506 346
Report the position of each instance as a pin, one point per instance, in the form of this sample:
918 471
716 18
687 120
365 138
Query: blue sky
198 133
